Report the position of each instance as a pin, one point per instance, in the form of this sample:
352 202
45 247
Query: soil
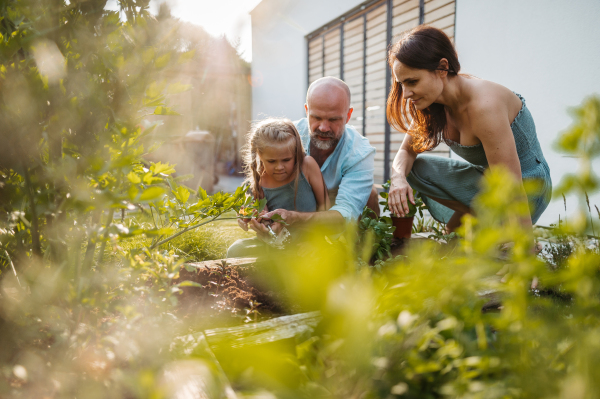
229 289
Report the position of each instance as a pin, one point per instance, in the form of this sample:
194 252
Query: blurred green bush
88 304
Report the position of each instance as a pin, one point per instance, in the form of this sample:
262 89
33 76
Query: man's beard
323 144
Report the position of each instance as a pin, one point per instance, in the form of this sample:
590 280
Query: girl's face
419 86
278 162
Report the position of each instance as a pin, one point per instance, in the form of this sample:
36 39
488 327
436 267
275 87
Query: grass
204 243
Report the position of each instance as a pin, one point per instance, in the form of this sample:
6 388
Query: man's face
327 112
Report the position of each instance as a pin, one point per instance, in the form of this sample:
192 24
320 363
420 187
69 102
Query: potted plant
403 224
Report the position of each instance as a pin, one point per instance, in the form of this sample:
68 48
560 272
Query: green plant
419 206
376 234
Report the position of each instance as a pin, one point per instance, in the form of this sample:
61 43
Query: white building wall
279 75
546 50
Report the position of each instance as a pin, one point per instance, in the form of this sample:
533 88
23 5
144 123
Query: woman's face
419 86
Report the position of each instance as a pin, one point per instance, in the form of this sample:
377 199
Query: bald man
346 158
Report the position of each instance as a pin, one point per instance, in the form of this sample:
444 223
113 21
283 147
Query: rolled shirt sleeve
347 171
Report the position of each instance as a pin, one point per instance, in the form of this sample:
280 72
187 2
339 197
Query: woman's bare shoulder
487 95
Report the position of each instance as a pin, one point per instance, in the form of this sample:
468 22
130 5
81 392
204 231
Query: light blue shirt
348 171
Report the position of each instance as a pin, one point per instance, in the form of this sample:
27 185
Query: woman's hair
270 133
421 48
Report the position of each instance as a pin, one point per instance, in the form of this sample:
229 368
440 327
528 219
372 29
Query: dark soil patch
228 290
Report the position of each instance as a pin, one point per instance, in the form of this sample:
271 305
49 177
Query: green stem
111 213
181 232
35 231
91 245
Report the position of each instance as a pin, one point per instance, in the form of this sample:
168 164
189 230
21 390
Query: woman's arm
313 175
400 190
490 124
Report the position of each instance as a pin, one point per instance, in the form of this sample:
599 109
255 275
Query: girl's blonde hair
269 133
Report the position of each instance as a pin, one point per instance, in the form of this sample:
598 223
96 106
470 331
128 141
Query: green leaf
202 193
176 88
149 179
163 60
189 283
182 194
163 168
187 56
160 110
152 193
134 178
260 205
277 218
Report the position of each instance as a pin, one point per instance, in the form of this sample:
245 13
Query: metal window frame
357 12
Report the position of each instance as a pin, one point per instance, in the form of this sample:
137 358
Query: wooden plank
400 29
335 63
315 52
444 22
272 330
405 17
372 77
188 378
450 32
355 31
315 43
376 29
353 61
335 72
317 70
242 263
375 38
433 5
376 96
352 46
379 20
376 12
332 47
354 75
377 50
354 24
332 37
406 6
439 13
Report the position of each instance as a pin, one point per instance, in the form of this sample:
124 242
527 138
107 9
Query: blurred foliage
87 312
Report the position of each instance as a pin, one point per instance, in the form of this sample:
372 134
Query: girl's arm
313 175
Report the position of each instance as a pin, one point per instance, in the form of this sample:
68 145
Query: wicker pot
403 226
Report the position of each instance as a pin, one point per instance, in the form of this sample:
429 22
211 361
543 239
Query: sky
218 17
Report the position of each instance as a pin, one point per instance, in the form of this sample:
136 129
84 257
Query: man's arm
333 220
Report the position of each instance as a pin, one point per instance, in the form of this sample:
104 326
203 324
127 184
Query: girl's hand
400 190
243 223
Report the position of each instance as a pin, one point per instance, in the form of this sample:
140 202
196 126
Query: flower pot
403 226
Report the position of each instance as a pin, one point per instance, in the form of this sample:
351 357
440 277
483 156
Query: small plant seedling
253 212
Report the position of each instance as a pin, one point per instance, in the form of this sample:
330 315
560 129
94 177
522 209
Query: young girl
278 170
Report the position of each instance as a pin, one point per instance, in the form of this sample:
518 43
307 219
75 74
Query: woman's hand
399 195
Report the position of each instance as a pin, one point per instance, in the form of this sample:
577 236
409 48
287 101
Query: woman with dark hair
483 122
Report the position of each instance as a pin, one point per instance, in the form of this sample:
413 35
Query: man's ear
306 109
349 114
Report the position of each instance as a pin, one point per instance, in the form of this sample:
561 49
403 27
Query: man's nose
324 126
